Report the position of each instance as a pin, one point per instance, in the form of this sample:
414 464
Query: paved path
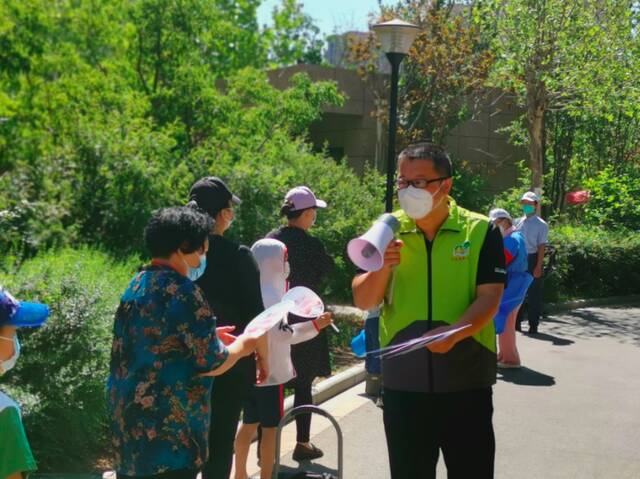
572 412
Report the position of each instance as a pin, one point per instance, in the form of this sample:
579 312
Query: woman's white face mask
416 202
8 364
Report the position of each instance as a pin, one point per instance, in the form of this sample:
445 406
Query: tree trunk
535 127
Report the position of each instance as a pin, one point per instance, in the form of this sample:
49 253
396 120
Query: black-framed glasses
421 183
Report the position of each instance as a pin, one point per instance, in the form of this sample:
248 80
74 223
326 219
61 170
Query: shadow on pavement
287 472
525 377
555 340
618 323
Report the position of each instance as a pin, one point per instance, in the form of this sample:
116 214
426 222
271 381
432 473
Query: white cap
267 248
530 196
498 213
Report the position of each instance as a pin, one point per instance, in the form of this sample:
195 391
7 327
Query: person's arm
309 329
325 263
481 311
209 356
490 279
244 345
248 275
262 358
542 242
537 271
369 288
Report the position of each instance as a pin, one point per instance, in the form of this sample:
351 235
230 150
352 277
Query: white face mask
8 364
231 219
416 202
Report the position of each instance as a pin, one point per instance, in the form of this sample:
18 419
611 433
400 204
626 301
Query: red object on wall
577 197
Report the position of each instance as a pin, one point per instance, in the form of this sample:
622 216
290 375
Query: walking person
310 264
231 284
535 231
448 271
518 281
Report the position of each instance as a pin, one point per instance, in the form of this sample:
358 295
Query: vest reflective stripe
454 258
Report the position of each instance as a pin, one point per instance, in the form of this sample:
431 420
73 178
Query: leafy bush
593 263
470 188
613 199
353 203
60 377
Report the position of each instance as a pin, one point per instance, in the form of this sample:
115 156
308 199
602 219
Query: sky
330 15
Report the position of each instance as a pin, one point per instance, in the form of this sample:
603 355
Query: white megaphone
367 251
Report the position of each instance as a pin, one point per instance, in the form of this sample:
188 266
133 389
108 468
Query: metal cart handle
296 411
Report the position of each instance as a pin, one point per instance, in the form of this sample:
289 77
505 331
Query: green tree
293 38
558 55
444 73
106 105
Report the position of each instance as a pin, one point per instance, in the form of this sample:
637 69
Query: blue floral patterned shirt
164 337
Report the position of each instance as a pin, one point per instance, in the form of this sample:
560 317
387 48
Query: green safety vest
433 285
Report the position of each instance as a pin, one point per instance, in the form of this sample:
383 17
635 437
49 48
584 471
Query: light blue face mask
8 364
528 209
195 273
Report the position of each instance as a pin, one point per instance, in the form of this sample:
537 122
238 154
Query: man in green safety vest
446 269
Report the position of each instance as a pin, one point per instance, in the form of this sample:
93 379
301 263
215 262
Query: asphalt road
573 411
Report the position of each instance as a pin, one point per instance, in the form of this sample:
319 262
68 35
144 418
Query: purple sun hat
302 198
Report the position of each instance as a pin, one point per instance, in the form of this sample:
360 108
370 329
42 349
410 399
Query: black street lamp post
395 38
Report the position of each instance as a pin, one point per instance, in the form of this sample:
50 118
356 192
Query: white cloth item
535 231
281 337
6 401
271 256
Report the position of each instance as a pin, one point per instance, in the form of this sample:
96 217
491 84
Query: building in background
353 134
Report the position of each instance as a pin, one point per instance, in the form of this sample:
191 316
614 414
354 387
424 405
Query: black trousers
180 474
229 393
303 397
419 425
534 297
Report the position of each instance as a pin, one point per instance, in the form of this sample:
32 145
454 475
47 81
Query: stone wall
351 133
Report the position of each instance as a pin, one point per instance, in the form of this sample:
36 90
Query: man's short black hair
426 150
177 228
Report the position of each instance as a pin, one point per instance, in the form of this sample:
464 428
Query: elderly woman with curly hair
164 354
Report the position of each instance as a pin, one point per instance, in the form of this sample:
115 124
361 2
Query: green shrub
353 202
60 376
613 199
470 188
593 263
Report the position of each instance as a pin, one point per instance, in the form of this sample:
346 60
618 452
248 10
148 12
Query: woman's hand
224 335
